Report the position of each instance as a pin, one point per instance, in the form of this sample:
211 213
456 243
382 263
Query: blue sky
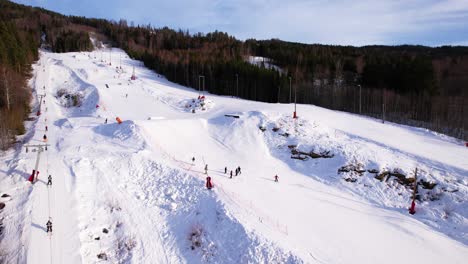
341 22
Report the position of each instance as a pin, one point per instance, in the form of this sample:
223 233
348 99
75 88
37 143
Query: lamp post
237 85
279 86
199 83
383 106
295 101
360 99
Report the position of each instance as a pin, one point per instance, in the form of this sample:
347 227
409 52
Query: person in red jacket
209 185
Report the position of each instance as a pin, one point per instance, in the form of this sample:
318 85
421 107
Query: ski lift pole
40 148
40 104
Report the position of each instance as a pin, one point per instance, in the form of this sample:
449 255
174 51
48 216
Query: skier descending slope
49 180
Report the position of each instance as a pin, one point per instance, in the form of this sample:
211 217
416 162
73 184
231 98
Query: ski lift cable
48 195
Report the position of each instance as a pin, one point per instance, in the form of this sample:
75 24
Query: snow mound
127 132
74 94
381 174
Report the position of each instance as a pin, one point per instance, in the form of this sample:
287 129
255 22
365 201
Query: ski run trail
130 192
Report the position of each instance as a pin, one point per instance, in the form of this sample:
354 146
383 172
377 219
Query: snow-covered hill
131 193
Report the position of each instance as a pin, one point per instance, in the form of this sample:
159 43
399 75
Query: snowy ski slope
130 192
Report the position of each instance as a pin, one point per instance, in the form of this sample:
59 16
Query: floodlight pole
199 83
295 101
237 84
360 99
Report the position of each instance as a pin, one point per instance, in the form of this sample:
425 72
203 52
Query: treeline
69 40
18 49
414 85
183 58
22 31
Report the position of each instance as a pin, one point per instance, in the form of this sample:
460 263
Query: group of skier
237 171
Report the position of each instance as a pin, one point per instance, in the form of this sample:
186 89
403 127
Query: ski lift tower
133 74
39 149
40 104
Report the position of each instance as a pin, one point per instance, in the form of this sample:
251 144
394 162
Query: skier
209 185
105 122
49 226
45 138
231 175
46 128
225 170
49 180
126 95
239 171
206 169
276 178
193 159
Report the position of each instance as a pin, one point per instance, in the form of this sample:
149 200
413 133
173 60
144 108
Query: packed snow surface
131 192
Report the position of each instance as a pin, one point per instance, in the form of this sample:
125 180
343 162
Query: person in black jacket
49 226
